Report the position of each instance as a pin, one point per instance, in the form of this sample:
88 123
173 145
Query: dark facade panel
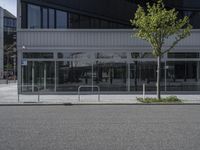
113 11
120 10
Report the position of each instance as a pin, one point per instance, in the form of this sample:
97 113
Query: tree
155 24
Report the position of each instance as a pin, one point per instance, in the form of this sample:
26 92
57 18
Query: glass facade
72 74
110 75
182 75
37 15
10 54
61 19
43 17
51 18
145 72
111 71
34 16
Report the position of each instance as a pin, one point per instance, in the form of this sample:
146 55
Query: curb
37 104
94 104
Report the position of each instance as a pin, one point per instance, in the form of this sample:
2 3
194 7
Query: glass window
44 18
73 21
72 74
135 55
110 76
183 55
37 55
111 55
14 23
84 22
104 24
51 18
142 55
182 76
34 16
95 23
27 77
115 25
61 19
145 72
44 75
75 55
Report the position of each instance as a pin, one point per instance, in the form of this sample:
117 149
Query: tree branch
173 45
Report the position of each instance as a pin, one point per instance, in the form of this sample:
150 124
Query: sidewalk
8 95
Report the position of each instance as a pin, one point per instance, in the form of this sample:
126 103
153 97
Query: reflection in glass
110 76
84 22
27 77
183 55
44 76
111 55
61 19
72 74
40 75
145 72
37 55
51 18
142 55
182 76
95 23
75 55
74 21
44 18
34 16
105 24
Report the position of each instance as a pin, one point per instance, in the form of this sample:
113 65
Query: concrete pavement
8 94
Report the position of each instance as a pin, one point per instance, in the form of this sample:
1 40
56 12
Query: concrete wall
1 44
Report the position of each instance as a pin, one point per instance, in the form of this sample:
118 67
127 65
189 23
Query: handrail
21 86
88 86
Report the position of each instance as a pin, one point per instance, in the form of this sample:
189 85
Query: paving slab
8 94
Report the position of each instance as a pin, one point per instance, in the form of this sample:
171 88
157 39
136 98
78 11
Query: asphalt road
100 128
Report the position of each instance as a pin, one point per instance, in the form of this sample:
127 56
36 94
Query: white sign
24 63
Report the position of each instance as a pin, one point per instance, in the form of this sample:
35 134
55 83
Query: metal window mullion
33 75
128 80
55 80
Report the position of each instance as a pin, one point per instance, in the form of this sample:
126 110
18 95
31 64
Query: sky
10 5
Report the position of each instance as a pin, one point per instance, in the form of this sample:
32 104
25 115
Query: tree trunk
158 76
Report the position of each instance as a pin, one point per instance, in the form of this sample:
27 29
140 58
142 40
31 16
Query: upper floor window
74 21
95 23
61 19
51 18
9 22
44 18
84 22
34 16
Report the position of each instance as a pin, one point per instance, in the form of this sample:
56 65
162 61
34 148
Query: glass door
44 76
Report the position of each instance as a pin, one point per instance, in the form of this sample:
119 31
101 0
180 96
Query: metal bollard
143 91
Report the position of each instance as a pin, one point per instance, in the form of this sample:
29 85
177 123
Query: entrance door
44 76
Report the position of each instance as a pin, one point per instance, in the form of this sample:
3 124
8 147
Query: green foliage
156 24
170 99
8 66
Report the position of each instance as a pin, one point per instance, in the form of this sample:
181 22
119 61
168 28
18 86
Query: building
7 44
65 44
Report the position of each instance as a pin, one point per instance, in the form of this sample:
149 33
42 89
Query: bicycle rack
88 86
